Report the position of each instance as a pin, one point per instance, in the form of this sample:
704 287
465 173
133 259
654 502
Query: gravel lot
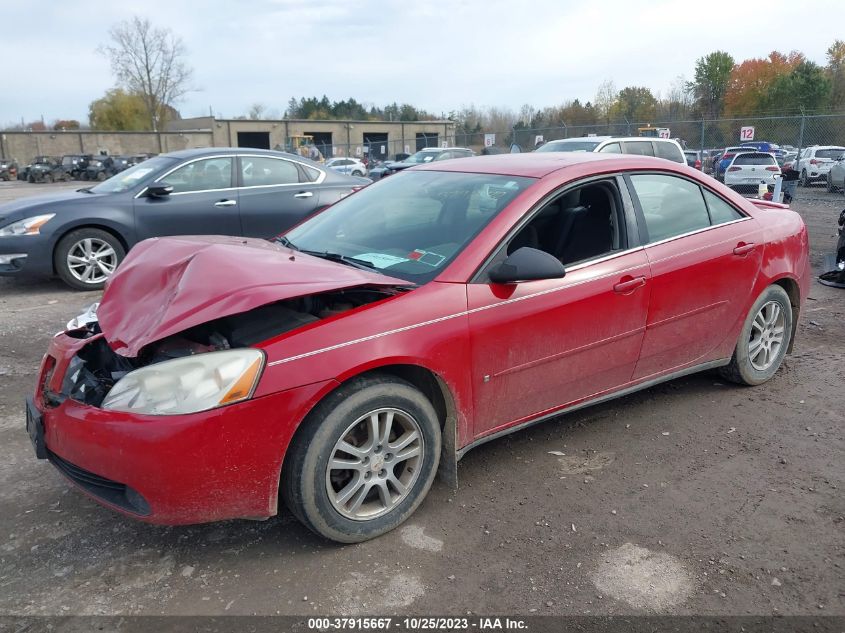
694 497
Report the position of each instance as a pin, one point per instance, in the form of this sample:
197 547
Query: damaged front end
200 368
835 276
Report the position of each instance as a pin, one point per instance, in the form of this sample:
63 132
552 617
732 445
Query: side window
612 148
263 171
671 206
309 174
581 224
643 148
720 211
201 175
669 152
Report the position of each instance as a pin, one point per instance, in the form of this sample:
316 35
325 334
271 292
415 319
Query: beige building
333 138
384 139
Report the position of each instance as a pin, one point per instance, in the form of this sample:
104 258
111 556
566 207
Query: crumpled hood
167 285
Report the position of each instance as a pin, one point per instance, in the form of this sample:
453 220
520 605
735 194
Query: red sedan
341 365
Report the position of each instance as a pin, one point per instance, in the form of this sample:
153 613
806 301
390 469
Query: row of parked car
97 167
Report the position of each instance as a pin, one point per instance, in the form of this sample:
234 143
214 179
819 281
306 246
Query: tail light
734 168
813 161
697 164
772 168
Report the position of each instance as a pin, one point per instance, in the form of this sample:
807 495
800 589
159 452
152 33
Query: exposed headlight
190 384
27 226
88 316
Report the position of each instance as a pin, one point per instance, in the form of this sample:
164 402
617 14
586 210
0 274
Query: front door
203 202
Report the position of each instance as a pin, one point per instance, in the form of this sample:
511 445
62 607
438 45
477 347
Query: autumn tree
752 81
149 62
119 111
710 83
66 124
605 98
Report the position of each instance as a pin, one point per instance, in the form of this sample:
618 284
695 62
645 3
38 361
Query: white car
836 174
815 162
748 169
348 166
642 145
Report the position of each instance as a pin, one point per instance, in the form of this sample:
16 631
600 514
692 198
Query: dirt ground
694 497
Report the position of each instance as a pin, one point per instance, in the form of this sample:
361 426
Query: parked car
427 155
642 146
834 264
82 236
101 168
8 170
345 363
75 165
836 174
46 169
747 170
721 163
815 161
693 158
349 166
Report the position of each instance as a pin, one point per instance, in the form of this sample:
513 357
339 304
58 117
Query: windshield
421 157
412 225
568 146
127 179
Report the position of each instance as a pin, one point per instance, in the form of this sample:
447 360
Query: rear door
204 201
705 256
274 194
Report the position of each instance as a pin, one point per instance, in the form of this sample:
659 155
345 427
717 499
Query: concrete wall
347 137
23 146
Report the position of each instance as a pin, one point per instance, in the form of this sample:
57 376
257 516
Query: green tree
836 73
634 103
804 87
119 111
710 83
66 124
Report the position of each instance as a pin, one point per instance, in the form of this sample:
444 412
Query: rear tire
830 187
357 173
804 181
324 498
763 340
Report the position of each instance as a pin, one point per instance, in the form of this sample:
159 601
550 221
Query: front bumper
35 251
183 469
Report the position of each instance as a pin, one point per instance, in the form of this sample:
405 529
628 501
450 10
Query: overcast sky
436 54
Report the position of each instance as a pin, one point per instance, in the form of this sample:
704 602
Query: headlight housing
83 320
188 385
27 226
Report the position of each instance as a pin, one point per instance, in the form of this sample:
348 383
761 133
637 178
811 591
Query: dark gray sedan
82 236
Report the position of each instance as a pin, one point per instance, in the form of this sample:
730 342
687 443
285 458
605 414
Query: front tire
804 181
85 258
363 460
763 340
830 187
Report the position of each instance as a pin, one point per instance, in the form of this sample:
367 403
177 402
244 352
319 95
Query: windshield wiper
284 241
342 259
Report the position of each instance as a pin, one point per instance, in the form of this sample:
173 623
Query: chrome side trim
563 410
696 231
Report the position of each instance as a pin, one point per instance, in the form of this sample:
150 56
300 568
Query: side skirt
598 400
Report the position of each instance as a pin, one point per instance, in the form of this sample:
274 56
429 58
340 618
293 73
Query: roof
223 151
540 164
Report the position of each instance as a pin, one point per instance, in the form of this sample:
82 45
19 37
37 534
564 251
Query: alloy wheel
91 260
767 336
375 464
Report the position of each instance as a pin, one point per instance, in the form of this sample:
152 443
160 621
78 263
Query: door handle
225 203
303 194
744 248
628 284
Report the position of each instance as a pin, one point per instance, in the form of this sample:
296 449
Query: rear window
669 151
755 159
830 153
568 146
642 148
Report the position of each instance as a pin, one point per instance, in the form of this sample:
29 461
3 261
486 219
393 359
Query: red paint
507 354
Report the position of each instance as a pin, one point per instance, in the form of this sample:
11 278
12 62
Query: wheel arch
432 386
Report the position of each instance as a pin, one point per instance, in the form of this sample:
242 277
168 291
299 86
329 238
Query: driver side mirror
159 190
527 264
